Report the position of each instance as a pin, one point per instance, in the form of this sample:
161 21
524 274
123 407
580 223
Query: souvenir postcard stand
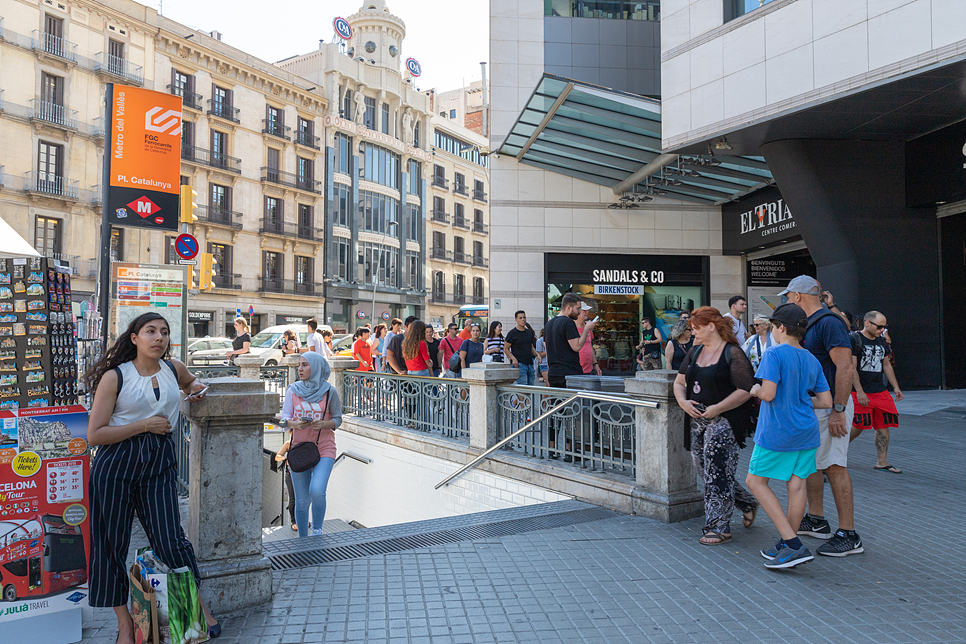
37 348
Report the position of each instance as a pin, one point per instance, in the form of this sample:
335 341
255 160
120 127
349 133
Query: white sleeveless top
136 400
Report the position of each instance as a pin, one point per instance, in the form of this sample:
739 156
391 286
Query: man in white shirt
314 341
737 306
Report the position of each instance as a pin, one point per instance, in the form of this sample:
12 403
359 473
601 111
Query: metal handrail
364 461
586 395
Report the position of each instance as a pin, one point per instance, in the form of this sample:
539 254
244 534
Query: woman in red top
415 351
362 350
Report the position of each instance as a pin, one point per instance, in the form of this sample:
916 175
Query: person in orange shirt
362 350
465 333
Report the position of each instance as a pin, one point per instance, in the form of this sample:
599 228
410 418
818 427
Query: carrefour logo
168 122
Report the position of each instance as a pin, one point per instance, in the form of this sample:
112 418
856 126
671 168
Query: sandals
749 522
714 539
888 468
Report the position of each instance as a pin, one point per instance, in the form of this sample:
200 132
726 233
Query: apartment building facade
464 106
458 228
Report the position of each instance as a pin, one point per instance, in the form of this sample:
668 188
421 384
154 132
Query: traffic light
206 272
188 205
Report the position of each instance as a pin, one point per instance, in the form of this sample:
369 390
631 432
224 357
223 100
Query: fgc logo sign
164 122
414 67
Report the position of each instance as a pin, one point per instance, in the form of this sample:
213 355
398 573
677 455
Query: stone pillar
483 378
666 477
225 495
340 364
249 366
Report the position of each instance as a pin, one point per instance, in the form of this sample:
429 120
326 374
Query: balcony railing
51 184
289 229
97 128
440 216
53 113
482 262
462 258
188 99
460 189
115 66
478 299
54 45
97 195
273 175
307 139
223 110
442 253
288 287
480 227
276 129
461 222
479 195
439 297
210 158
440 182
220 216
459 298
227 280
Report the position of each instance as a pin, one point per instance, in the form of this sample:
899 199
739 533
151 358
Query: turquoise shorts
781 465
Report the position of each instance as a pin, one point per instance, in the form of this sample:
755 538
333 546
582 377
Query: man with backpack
827 338
449 346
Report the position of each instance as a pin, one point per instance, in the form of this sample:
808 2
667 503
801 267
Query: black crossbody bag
304 456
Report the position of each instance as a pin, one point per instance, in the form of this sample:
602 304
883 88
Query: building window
478 290
459 215
377 212
117 244
412 265
115 59
219 200
274 120
459 249
377 261
459 289
439 285
613 9
478 193
459 183
439 210
439 240
222 255
385 118
340 250
412 230
170 255
460 148
415 178
306 132
47 236
273 270
219 148
477 249
52 96
379 165
478 217
274 217
306 221
50 167
303 274
369 119
416 135
188 140
182 84
341 205
305 173
452 114
343 153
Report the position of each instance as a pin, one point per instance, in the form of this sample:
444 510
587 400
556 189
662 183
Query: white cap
584 307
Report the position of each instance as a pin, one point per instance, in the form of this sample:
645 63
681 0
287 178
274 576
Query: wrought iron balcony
118 67
97 195
188 99
480 261
276 129
53 113
440 216
478 299
479 195
97 128
223 110
460 189
461 222
459 298
211 158
307 139
227 280
442 253
480 227
289 287
440 182
462 258
54 45
439 297
289 229
47 183
273 175
220 216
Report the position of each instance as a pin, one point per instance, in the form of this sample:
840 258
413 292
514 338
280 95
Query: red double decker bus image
40 555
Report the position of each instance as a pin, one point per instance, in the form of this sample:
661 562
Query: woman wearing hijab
313 411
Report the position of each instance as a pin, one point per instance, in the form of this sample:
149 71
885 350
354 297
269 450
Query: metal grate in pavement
324 555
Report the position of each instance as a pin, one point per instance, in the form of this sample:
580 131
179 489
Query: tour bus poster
44 514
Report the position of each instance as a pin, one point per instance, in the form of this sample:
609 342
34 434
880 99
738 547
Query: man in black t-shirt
874 407
521 348
564 342
394 352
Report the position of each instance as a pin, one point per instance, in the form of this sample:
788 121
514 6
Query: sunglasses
879 326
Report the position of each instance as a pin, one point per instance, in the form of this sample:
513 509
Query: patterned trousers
715 454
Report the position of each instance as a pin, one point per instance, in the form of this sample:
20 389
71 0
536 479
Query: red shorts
880 414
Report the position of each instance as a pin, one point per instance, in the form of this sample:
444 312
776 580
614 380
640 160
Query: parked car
267 343
342 346
207 352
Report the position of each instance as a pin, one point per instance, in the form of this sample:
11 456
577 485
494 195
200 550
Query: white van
267 343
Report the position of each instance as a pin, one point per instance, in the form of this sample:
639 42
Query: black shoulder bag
742 418
304 456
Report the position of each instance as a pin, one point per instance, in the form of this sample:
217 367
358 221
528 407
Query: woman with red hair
712 387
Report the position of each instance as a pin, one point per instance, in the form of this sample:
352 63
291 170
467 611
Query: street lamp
372 313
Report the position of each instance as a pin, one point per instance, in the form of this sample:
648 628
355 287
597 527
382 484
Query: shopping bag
180 617
144 609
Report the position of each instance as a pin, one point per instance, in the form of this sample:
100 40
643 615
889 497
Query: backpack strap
120 380
823 313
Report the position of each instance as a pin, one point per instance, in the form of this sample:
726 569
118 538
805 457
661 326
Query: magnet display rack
37 348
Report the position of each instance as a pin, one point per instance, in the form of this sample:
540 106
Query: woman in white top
495 342
136 396
756 344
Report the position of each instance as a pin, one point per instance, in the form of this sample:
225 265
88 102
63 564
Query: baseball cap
584 307
802 284
791 314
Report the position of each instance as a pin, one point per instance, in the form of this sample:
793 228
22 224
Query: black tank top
680 350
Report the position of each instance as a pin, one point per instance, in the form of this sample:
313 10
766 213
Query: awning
12 244
605 136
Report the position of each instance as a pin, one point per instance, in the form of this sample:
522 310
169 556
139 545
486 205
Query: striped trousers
137 475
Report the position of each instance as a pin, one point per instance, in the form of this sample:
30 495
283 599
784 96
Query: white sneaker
316 532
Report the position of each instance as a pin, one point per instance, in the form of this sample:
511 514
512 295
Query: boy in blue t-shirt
787 435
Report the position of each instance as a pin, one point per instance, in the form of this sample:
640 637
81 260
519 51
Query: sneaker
771 552
788 558
812 527
841 545
317 532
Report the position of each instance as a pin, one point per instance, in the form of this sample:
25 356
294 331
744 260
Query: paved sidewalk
629 579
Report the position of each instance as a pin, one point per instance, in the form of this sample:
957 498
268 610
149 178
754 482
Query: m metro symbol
144 206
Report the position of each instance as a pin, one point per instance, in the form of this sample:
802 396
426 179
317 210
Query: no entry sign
186 246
